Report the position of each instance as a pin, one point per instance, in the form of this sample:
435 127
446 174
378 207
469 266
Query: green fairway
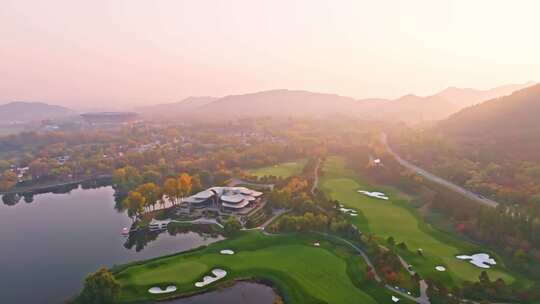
393 218
281 170
302 272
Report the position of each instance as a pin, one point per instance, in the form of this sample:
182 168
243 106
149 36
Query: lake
240 293
51 243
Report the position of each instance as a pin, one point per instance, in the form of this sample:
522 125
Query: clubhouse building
225 199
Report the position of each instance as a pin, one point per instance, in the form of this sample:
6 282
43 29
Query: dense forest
491 149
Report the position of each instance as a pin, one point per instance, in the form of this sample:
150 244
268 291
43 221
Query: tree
126 178
391 241
151 193
184 185
134 204
402 246
38 168
232 226
278 199
100 287
8 180
196 185
170 189
151 176
296 184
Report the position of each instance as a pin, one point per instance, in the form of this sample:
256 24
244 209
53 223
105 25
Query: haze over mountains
288 103
507 126
296 103
24 112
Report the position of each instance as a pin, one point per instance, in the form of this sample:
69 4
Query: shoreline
44 187
223 285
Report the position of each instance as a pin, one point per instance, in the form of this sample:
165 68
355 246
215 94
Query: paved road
236 181
316 174
476 197
423 299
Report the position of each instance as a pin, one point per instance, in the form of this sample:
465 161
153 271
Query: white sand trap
395 299
378 195
353 214
226 251
317 244
440 268
218 274
345 210
158 290
482 260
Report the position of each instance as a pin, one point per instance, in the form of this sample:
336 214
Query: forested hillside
491 149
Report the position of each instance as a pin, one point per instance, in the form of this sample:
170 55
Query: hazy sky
132 52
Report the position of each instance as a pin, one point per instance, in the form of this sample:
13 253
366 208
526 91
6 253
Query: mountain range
507 124
24 112
296 103
287 103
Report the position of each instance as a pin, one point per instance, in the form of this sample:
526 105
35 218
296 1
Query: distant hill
280 103
23 112
297 103
465 97
509 123
170 110
410 108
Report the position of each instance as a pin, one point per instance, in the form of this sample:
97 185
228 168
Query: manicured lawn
302 272
282 170
393 218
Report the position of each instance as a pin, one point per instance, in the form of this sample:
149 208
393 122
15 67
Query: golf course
283 170
393 217
300 271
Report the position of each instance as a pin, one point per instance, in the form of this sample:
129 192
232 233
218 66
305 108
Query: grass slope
302 272
282 170
393 218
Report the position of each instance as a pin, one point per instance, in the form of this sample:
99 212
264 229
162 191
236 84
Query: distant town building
109 119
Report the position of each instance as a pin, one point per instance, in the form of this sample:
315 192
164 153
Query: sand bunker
226 251
440 268
158 290
218 274
317 244
482 260
378 195
347 211
395 299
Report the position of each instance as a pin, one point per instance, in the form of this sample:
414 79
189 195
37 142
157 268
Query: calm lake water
49 245
240 293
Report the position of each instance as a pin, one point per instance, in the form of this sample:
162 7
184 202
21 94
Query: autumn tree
151 193
100 287
8 180
184 185
170 189
134 204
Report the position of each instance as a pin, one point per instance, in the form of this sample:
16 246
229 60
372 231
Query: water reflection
140 239
12 199
53 242
240 293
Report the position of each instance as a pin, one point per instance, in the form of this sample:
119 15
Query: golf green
281 170
391 218
301 271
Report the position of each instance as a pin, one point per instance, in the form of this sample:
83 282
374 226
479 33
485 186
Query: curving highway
473 196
